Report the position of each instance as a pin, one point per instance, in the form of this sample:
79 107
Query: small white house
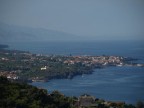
44 68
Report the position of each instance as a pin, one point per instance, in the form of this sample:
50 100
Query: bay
112 83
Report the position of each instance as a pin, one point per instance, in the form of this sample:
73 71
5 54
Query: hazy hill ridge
20 33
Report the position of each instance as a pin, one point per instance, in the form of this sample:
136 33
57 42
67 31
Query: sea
124 83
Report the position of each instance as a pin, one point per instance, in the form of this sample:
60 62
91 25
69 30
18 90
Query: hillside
21 95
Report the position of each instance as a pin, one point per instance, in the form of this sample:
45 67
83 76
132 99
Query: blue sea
111 83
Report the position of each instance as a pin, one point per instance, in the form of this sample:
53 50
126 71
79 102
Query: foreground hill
21 95
18 95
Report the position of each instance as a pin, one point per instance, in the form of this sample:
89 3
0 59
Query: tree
140 104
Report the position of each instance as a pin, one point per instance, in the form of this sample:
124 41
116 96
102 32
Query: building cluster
93 60
9 75
13 62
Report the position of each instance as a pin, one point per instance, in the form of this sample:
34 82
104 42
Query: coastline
117 84
30 58
37 67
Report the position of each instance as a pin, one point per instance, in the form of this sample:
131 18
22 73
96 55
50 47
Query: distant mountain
3 46
20 33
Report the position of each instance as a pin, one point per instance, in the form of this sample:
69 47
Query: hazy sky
118 19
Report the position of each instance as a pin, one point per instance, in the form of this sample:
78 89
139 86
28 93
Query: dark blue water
113 83
117 84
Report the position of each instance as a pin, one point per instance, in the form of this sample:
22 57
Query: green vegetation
36 67
22 66
22 95
29 66
16 95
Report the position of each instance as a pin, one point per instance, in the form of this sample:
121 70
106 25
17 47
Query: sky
95 19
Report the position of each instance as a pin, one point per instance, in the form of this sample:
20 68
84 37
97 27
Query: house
44 68
86 101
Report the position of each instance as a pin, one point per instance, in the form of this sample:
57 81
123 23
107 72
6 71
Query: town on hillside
23 65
